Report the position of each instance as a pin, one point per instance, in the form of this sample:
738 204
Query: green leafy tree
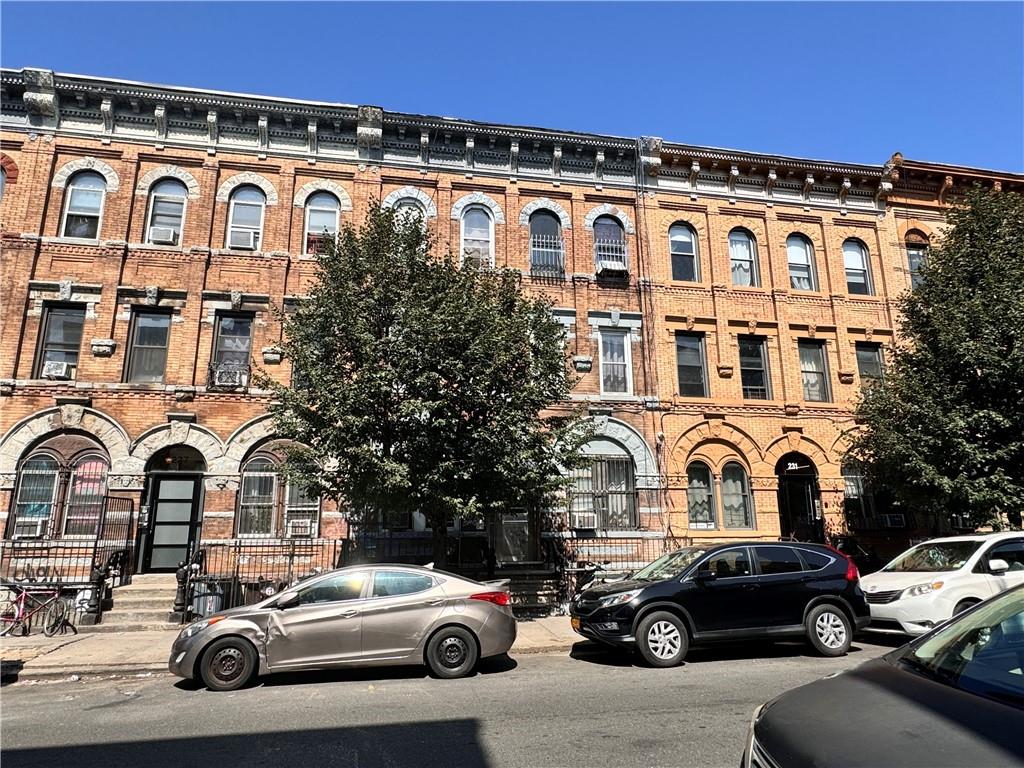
944 432
423 386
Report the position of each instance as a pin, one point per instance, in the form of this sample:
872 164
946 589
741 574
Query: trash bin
208 598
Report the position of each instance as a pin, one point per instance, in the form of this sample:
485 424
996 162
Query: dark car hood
881 714
595 591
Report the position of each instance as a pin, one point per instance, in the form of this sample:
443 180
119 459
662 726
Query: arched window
322 211
609 244
256 498
546 250
737 508
743 258
83 205
86 489
166 212
477 237
603 494
245 218
3 182
858 273
410 207
700 495
682 244
37 491
917 252
800 254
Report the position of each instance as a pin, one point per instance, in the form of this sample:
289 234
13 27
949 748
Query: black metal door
798 509
174 513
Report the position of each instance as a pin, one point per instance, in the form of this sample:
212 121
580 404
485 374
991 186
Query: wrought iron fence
228 376
547 256
573 555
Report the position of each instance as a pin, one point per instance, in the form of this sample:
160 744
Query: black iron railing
228 376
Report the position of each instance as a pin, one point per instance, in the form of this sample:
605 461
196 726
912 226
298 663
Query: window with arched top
682 244
87 487
270 505
858 269
166 218
547 252
256 498
3 182
603 493
409 207
917 251
36 497
322 212
700 495
743 259
800 255
246 209
737 505
609 244
477 237
83 206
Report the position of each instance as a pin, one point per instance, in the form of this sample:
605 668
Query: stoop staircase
142 605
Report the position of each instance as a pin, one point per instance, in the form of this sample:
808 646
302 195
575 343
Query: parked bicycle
18 613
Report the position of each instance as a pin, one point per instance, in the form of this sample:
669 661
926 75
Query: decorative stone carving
6 387
424 146
322 185
160 120
152 297
734 174
411 193
184 394
650 154
545 203
514 156
694 172
164 171
272 355
236 300
103 347
64 288
60 178
477 198
71 415
470 144
40 97
607 209
262 131
769 184
312 142
583 363
844 189
947 185
107 113
212 129
808 183
791 409
556 160
647 475
179 431
126 482
846 377
370 131
78 415
241 179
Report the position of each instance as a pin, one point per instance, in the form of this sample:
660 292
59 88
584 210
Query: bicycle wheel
8 617
55 617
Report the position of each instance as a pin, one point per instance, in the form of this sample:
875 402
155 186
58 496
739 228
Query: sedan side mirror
287 601
997 566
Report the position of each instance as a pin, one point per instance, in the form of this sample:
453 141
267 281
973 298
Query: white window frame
149 211
695 254
272 473
305 215
865 254
231 217
628 346
755 267
68 194
825 370
808 246
302 509
462 233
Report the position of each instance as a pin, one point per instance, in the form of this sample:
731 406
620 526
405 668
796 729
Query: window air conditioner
894 521
163 236
56 369
300 529
586 520
243 239
30 529
228 377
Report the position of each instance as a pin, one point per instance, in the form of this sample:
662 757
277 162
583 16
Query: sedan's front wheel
662 640
228 664
452 653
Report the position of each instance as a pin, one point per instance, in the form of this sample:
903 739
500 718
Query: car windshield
669 566
935 556
981 652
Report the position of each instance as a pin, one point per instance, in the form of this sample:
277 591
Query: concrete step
110 628
137 615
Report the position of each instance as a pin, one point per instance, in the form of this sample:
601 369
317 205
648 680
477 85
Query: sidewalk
132 653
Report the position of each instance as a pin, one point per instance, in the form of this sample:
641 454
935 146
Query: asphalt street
590 708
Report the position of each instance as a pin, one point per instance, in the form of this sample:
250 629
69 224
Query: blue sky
851 82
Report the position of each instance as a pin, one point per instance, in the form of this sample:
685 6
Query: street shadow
9 670
595 653
421 743
489 666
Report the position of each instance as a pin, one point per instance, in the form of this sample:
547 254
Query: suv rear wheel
662 639
829 630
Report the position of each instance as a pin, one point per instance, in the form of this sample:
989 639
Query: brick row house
722 309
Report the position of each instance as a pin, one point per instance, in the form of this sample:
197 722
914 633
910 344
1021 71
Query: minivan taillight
498 598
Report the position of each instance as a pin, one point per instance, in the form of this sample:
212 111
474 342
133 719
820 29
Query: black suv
727 592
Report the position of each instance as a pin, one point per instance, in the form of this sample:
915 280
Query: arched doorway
800 515
172 508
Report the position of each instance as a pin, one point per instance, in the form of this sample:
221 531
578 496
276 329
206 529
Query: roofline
962 170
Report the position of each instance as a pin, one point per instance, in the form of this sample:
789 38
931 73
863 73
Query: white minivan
933 581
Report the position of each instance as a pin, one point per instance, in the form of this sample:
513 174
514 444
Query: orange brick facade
136 135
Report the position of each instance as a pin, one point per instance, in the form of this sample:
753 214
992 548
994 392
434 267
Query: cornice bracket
160 120
370 132
694 172
650 154
808 184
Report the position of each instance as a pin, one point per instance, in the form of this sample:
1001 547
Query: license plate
575 623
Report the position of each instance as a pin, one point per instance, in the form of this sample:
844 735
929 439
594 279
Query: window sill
72 241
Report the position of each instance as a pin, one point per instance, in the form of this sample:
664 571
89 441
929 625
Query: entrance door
174 511
800 515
